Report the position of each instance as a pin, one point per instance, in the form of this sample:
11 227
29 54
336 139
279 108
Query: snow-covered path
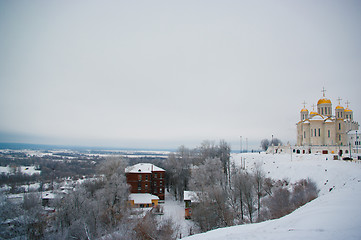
334 214
175 210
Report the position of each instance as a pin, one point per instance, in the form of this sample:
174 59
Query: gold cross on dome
347 102
323 91
313 107
304 104
339 100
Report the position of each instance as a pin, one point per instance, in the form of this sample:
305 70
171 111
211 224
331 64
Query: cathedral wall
317 132
340 132
299 133
330 134
306 129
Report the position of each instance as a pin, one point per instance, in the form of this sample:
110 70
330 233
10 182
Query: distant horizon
42 146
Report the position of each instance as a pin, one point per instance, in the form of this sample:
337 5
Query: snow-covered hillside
335 214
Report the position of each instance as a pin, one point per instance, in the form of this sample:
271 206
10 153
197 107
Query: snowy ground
335 214
29 170
175 210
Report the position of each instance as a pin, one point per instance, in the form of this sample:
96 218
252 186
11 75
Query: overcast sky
159 74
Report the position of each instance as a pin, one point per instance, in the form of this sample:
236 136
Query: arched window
339 126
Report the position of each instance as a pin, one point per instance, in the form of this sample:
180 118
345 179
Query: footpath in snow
174 210
335 214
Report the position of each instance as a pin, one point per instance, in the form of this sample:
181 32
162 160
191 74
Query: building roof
317 117
323 100
190 196
142 198
339 107
48 195
354 132
304 110
143 168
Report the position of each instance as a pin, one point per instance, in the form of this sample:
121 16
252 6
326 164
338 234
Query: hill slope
335 214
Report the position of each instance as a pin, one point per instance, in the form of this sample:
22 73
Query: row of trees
227 194
180 164
265 143
248 197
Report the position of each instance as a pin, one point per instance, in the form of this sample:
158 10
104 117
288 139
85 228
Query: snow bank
335 214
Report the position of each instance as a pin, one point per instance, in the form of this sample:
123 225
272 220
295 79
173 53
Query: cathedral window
322 111
326 111
338 114
341 114
304 134
329 133
339 126
315 132
319 132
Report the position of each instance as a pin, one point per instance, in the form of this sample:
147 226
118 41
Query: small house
190 198
143 200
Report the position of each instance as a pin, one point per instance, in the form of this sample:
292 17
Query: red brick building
146 178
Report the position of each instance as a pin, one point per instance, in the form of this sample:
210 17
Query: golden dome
304 110
339 107
348 110
313 113
323 100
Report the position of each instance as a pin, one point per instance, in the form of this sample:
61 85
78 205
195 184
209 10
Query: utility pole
246 144
241 146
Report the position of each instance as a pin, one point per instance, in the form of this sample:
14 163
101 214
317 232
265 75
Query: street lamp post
357 143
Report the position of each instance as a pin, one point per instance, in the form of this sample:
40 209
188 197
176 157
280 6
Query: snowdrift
335 214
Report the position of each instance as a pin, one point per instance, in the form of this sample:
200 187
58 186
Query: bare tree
265 144
259 177
249 195
279 203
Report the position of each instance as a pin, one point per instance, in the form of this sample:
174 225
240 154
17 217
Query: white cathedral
325 132
322 128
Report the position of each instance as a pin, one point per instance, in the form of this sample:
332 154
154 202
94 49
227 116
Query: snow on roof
328 120
351 132
142 198
48 195
143 168
317 117
190 196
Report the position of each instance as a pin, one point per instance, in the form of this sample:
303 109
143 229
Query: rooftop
143 168
142 198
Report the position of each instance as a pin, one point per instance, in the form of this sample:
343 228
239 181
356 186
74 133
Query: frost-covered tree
259 178
208 182
97 209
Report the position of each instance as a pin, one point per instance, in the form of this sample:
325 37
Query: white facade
354 140
323 128
325 132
